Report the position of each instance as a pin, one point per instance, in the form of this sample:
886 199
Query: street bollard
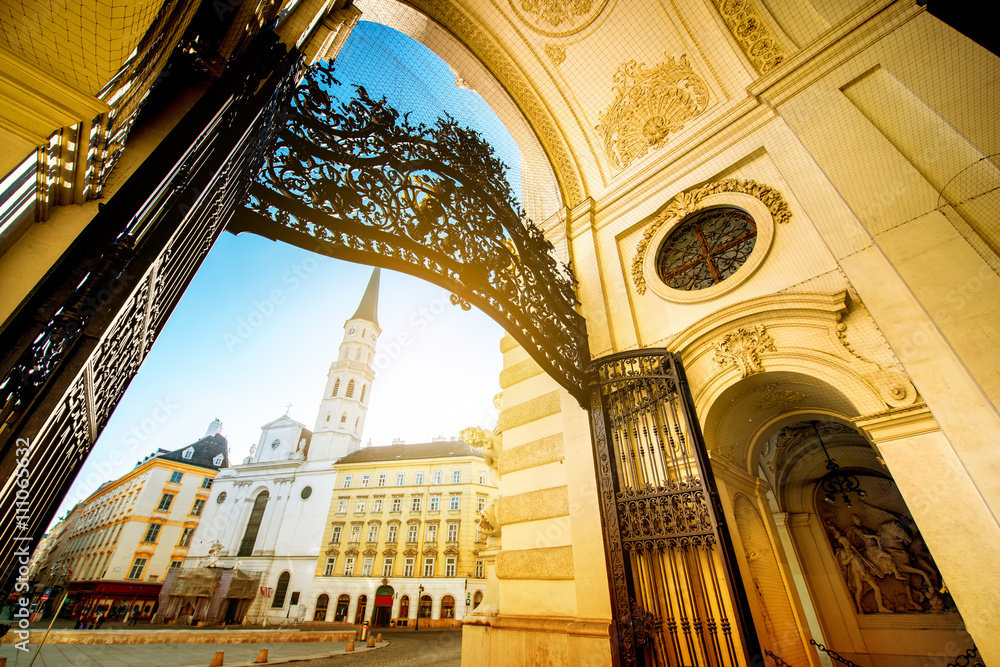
217 660
379 639
261 656
350 646
371 641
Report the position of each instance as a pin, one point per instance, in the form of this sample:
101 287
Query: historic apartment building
761 415
401 540
122 540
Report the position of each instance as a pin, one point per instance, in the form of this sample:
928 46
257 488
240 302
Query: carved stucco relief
557 18
649 106
753 33
742 348
689 201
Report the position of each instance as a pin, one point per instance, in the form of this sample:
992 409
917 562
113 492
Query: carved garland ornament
557 18
742 348
753 33
689 202
650 105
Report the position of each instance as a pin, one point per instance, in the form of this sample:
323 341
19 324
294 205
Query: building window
436 477
706 248
152 533
330 563
448 605
206 483
480 569
342 506
456 503
456 477
418 478
366 566
363 388
361 505
429 566
453 532
349 566
347 481
217 461
435 503
481 504
335 535
253 525
355 533
137 567
381 479
198 507
397 505
408 567
336 387
391 537
343 418
188 453
175 565
373 533
415 504
482 476
400 478
280 590
432 533
387 566
364 481
343 602
165 500
186 536
350 389
449 566
424 610
377 505
175 477
411 532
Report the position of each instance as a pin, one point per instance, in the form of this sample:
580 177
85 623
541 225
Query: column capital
898 424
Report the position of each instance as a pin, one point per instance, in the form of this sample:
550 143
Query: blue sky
261 322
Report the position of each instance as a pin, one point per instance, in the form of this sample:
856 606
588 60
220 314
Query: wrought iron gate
676 593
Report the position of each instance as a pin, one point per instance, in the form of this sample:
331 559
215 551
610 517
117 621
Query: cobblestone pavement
425 648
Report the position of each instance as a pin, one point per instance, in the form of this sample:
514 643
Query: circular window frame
762 218
221 498
306 492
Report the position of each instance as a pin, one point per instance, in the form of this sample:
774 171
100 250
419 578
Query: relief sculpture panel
881 554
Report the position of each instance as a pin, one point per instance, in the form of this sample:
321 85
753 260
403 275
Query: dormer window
217 461
188 453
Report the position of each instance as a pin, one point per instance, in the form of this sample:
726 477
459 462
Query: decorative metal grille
357 181
706 249
73 347
675 587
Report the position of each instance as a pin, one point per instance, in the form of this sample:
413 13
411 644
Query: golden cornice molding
34 104
468 31
898 424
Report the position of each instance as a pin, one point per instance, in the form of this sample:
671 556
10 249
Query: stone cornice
899 424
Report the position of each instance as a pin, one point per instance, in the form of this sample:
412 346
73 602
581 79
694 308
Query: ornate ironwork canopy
357 181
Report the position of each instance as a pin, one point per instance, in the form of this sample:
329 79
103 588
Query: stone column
960 530
238 516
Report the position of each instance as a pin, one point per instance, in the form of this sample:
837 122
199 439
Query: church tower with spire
341 418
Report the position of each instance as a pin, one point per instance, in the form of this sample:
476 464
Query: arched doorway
447 607
383 605
322 603
424 610
359 615
343 602
404 609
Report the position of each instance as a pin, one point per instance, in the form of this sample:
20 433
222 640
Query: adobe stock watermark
418 323
22 538
265 308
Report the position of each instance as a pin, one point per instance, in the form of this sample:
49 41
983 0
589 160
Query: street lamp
420 594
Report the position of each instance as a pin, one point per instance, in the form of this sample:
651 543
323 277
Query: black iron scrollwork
357 181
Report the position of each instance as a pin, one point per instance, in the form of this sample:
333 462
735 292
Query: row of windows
153 532
412 533
361 505
167 499
418 479
368 563
423 610
350 389
177 476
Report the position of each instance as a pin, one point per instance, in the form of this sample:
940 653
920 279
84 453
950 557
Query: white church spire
341 418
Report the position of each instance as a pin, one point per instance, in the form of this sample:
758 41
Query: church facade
782 220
